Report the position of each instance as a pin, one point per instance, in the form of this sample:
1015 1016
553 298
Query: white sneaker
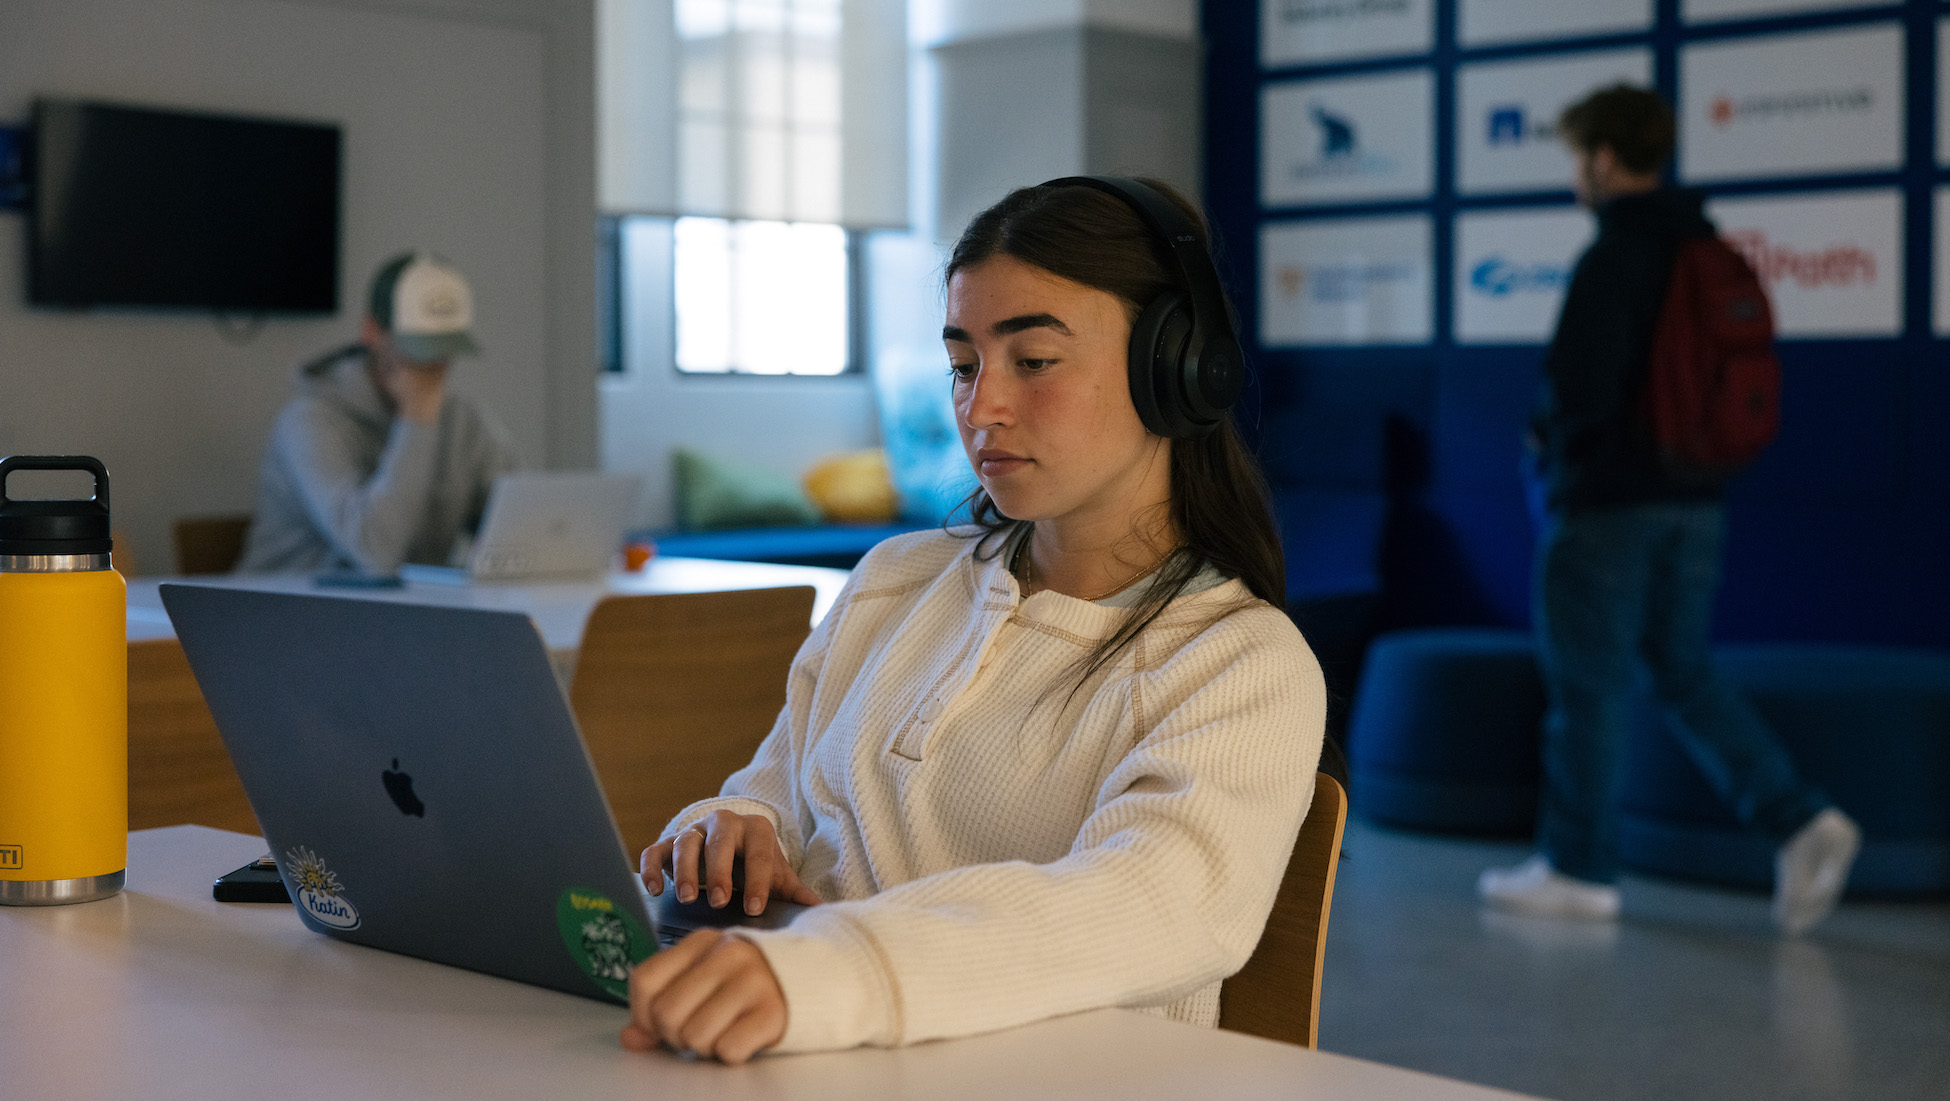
1811 869
1535 888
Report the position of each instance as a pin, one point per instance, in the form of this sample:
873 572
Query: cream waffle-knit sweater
997 849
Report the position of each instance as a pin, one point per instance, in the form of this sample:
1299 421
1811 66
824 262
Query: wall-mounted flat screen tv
139 207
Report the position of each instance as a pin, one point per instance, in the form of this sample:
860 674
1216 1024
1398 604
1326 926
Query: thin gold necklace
1024 567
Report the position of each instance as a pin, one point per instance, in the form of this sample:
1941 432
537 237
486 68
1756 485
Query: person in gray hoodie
377 461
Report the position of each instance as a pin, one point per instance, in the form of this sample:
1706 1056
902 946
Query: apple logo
399 788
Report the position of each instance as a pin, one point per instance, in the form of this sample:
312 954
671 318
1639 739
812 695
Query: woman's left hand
711 994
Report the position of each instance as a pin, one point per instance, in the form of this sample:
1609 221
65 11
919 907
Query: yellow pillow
853 488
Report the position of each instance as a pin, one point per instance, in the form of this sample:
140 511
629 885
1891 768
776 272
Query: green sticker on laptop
603 938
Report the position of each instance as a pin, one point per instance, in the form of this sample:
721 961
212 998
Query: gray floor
1690 995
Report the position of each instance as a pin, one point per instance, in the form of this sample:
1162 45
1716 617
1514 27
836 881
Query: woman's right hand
721 838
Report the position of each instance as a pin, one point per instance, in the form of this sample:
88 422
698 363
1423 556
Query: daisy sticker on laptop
320 895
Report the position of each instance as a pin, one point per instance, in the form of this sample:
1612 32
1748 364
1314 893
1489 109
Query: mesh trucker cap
425 306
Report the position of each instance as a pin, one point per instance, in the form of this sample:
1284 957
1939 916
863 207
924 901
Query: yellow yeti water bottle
64 696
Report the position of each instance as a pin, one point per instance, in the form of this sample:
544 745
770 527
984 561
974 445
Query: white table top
559 608
161 993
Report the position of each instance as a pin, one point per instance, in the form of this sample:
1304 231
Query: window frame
612 306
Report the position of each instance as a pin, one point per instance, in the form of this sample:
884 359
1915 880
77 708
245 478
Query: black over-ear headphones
1186 364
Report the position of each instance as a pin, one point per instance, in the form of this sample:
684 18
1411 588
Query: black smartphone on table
257 881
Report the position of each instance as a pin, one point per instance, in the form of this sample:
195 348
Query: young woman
1051 762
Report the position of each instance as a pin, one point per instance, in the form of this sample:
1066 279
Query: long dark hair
1218 495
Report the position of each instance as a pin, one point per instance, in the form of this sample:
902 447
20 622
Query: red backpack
1712 399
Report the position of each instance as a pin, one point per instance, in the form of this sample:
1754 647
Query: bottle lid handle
57 462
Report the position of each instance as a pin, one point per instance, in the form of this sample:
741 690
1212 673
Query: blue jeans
1618 584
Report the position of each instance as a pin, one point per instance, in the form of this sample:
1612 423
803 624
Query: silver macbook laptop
423 787
540 524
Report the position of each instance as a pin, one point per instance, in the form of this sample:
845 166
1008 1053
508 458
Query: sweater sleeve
370 520
1165 889
491 455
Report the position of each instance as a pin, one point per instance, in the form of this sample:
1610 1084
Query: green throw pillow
712 495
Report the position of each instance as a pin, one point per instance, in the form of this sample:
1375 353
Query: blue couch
1871 725
839 546
1446 737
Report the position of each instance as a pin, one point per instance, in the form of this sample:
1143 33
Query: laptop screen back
421 781
552 524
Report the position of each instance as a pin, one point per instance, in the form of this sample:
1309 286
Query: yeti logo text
12 858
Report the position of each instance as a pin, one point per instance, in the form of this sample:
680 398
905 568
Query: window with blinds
773 133
758 108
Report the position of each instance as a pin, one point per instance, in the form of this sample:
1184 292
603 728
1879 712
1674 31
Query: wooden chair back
208 544
1277 994
674 691
179 771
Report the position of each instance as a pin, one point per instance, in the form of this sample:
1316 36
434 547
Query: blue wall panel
1840 532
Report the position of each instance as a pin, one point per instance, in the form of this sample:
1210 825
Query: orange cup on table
638 554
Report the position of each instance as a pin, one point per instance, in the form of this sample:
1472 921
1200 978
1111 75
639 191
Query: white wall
457 117
1020 108
934 22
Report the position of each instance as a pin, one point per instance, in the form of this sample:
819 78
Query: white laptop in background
543 524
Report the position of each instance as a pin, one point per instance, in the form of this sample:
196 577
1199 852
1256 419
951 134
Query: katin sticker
320 894
603 938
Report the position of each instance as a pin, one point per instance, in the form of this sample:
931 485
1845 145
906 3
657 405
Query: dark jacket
1593 451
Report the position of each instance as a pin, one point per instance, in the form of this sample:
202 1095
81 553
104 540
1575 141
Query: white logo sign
1484 21
1506 116
1295 31
1346 281
1704 11
1358 137
1512 267
1832 262
1792 104
1940 310
1943 92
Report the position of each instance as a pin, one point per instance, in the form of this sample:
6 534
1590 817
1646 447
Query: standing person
1054 761
376 461
1630 557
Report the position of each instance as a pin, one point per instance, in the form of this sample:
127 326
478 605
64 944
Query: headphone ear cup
1212 382
1157 361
